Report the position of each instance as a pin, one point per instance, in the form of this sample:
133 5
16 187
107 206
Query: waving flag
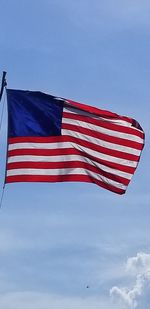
51 139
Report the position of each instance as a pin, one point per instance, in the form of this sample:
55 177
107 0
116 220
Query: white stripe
67 158
31 145
93 153
100 142
65 171
78 111
119 122
57 145
105 157
100 129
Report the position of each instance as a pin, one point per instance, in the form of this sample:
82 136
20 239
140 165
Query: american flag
51 139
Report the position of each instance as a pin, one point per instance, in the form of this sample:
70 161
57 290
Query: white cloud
129 297
137 296
139 264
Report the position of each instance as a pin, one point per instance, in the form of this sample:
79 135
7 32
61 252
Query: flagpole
3 84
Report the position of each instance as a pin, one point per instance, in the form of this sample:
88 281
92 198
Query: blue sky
55 239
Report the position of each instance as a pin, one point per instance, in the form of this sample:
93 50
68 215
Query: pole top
3 84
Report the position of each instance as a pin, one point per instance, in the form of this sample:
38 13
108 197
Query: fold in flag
52 139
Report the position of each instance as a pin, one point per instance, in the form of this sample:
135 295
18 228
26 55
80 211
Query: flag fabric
51 139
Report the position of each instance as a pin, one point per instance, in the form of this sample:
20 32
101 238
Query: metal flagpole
3 85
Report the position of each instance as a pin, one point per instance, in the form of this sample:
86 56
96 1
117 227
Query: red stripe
100 149
62 178
104 124
104 137
67 164
37 139
124 168
42 152
113 165
119 167
96 111
61 151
